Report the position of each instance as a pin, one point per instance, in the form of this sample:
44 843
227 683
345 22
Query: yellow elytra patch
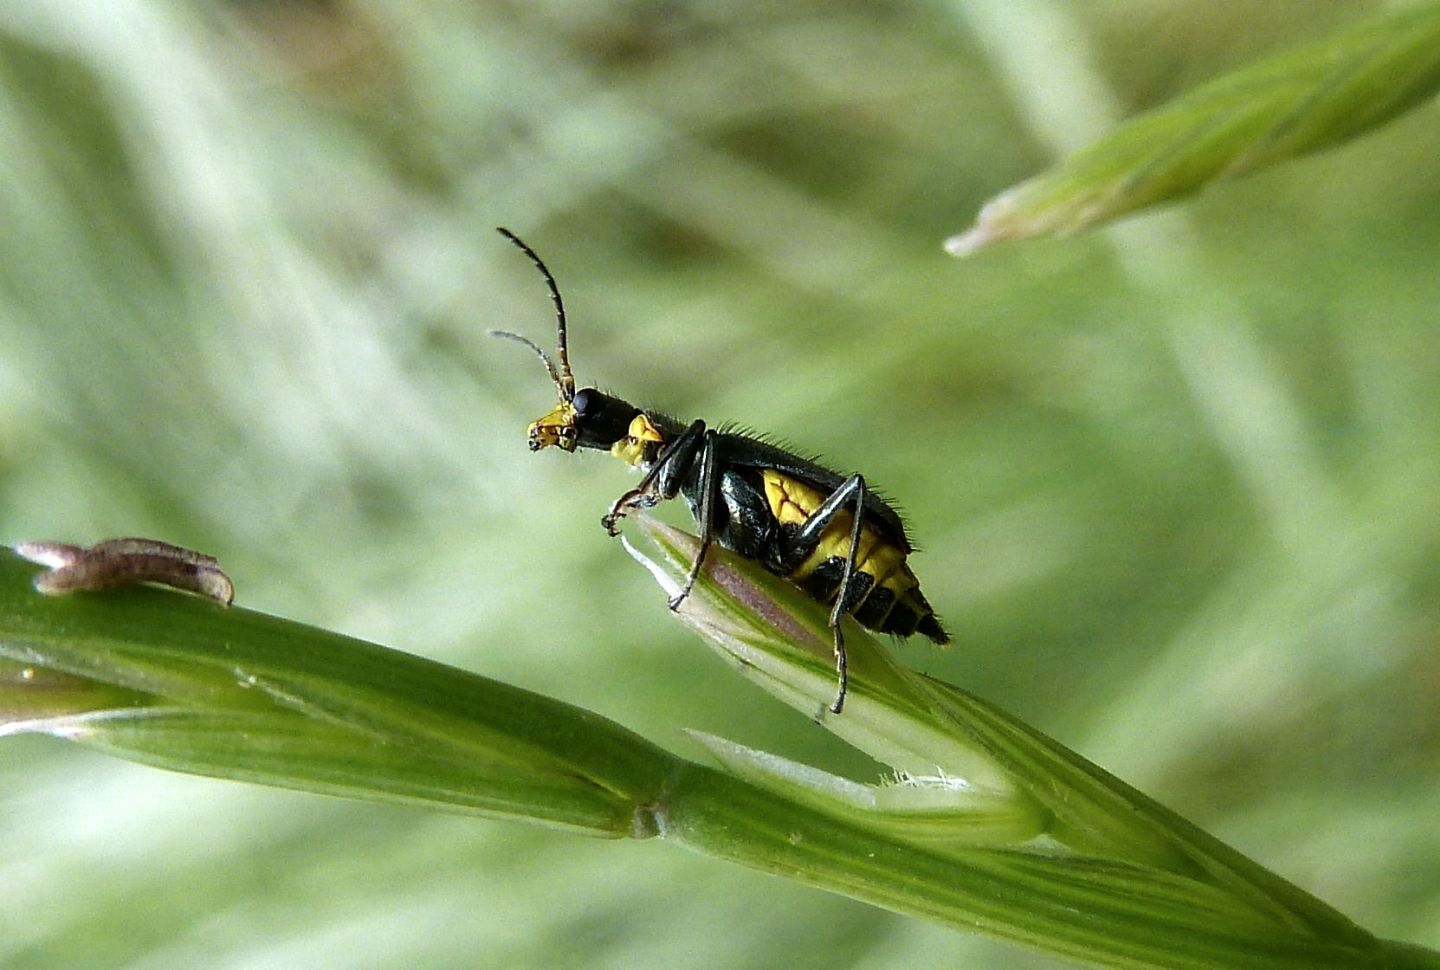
792 502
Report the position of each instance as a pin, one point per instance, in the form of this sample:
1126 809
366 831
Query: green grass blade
929 811
1113 840
180 682
1104 915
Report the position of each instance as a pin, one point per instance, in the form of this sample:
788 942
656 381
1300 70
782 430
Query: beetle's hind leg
851 492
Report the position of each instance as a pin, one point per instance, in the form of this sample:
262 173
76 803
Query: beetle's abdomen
885 594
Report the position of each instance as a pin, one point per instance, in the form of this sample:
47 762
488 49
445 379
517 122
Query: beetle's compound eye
586 401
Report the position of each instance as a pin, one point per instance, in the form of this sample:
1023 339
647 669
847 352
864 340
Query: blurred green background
1177 483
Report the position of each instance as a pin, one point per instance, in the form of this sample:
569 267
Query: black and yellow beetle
824 532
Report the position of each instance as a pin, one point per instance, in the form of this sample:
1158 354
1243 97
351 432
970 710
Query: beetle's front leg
637 497
662 482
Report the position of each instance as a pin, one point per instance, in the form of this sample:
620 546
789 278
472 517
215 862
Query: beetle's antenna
549 364
563 377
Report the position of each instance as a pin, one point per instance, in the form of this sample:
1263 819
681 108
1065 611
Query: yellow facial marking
556 428
642 433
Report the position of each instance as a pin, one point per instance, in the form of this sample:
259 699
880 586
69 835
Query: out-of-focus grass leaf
1296 102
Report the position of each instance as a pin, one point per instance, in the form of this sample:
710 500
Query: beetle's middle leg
707 491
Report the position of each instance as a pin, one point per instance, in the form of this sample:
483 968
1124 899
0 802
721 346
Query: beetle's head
591 419
583 419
